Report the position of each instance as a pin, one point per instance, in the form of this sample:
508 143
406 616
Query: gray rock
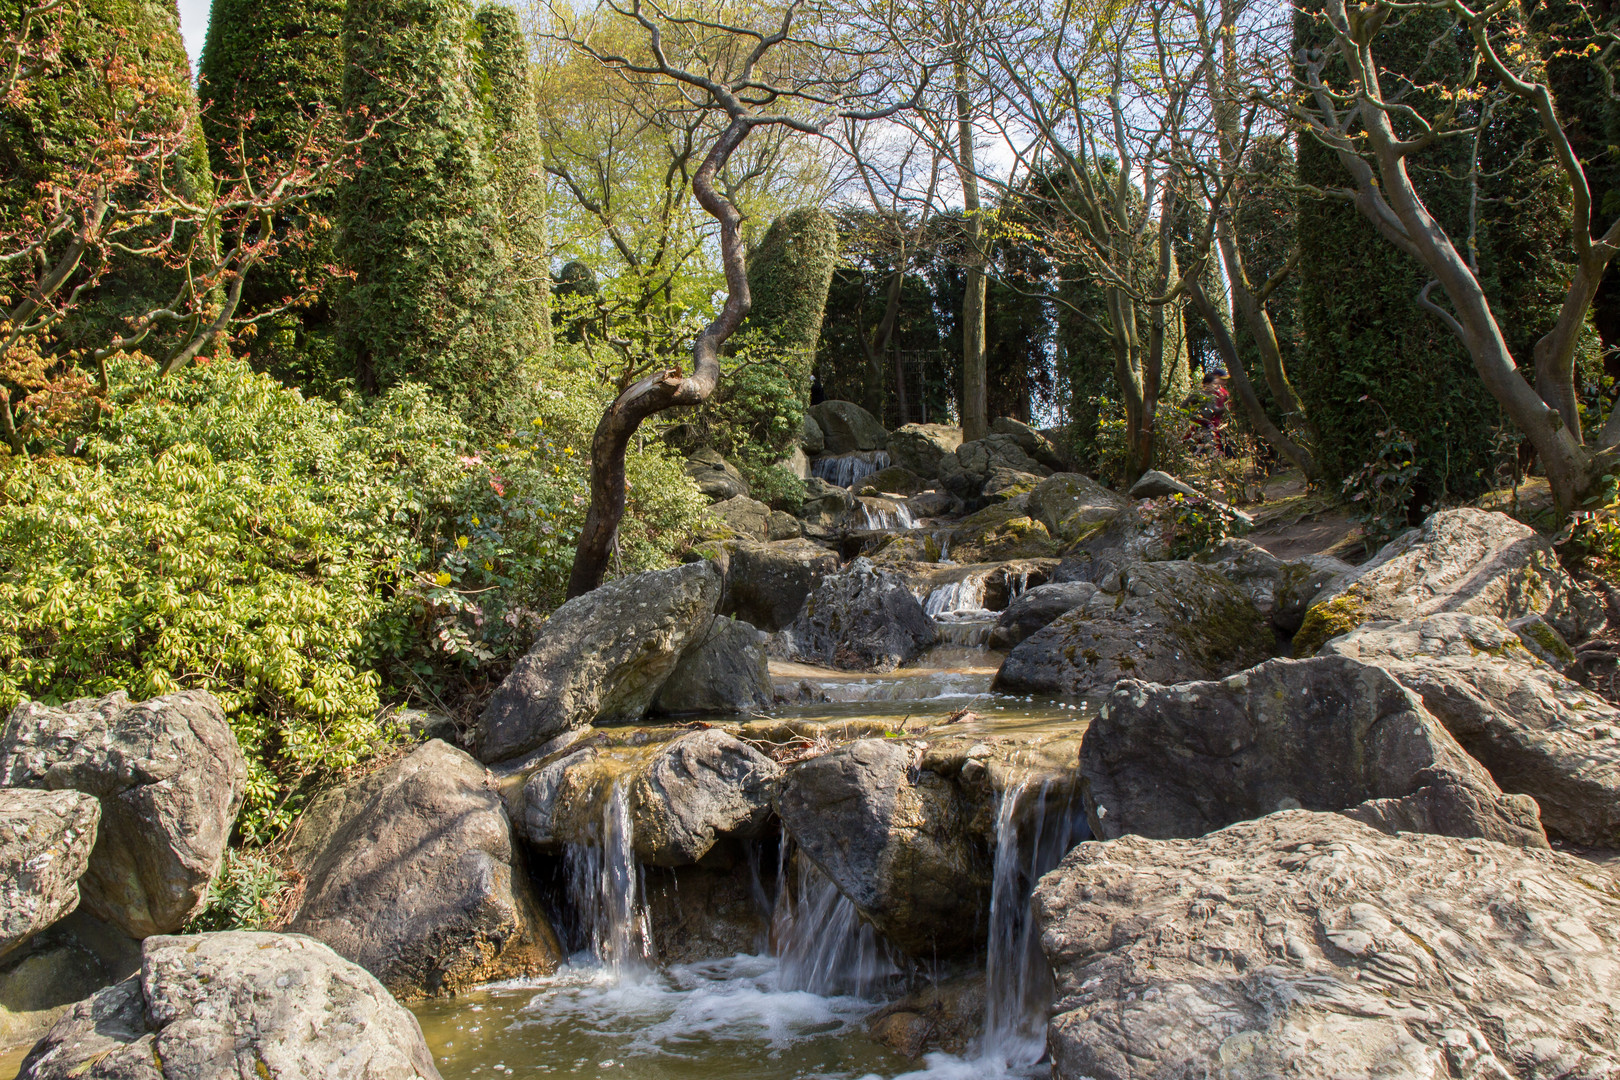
895 841
1538 733
1280 590
1327 733
965 473
746 517
45 976
45 843
1036 609
848 427
767 584
715 476
600 658
825 504
1472 561
931 504
170 779
861 618
782 525
234 1005
1304 946
1154 484
1003 484
894 480
812 440
920 447
1072 506
1030 441
723 671
696 789
411 874
1164 622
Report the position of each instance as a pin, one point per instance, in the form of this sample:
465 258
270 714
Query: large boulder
696 789
1281 590
601 657
1072 506
1327 733
1538 733
767 584
1163 622
894 840
45 843
1030 441
812 440
724 671
170 778
54 969
680 798
1036 609
744 517
861 618
236 1005
894 480
411 874
920 447
715 476
848 427
965 473
1306 945
1000 532
826 504
1473 561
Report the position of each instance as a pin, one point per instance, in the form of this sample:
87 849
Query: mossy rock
1327 620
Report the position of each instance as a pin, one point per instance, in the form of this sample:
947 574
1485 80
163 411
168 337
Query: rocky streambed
956 772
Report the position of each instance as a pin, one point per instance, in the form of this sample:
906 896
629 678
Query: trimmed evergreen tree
515 150
268 67
431 300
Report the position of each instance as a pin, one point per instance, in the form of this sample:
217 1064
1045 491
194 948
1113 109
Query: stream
796 1007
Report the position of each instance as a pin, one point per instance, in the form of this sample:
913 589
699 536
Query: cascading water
607 887
886 516
847 470
1032 835
959 614
824 946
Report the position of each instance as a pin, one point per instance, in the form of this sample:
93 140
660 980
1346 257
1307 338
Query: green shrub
301 560
244 894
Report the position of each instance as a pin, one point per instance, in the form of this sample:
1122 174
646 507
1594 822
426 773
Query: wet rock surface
1537 732
1328 733
412 874
696 789
1306 945
724 671
1164 622
1471 561
861 618
170 779
600 658
237 1004
45 843
894 840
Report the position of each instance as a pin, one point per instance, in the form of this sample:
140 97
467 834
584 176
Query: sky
193 25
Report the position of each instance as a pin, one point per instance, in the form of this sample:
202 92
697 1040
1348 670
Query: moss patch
1329 619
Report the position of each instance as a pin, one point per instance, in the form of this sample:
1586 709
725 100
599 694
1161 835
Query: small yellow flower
489 567
503 446
537 421
443 578
568 449
476 521
461 543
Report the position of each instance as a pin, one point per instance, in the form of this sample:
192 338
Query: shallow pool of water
715 1020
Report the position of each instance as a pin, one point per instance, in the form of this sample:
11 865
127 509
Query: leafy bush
301 560
1172 450
1382 491
1193 523
244 895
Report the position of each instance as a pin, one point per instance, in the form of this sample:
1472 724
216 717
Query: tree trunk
663 389
975 392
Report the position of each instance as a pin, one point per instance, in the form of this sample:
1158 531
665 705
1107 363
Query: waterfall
824 946
1018 984
964 596
608 889
882 516
847 470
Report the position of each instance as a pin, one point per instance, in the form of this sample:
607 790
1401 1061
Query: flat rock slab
45 843
412 874
1323 734
1159 621
1465 560
170 778
600 658
236 1006
1537 732
1305 946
